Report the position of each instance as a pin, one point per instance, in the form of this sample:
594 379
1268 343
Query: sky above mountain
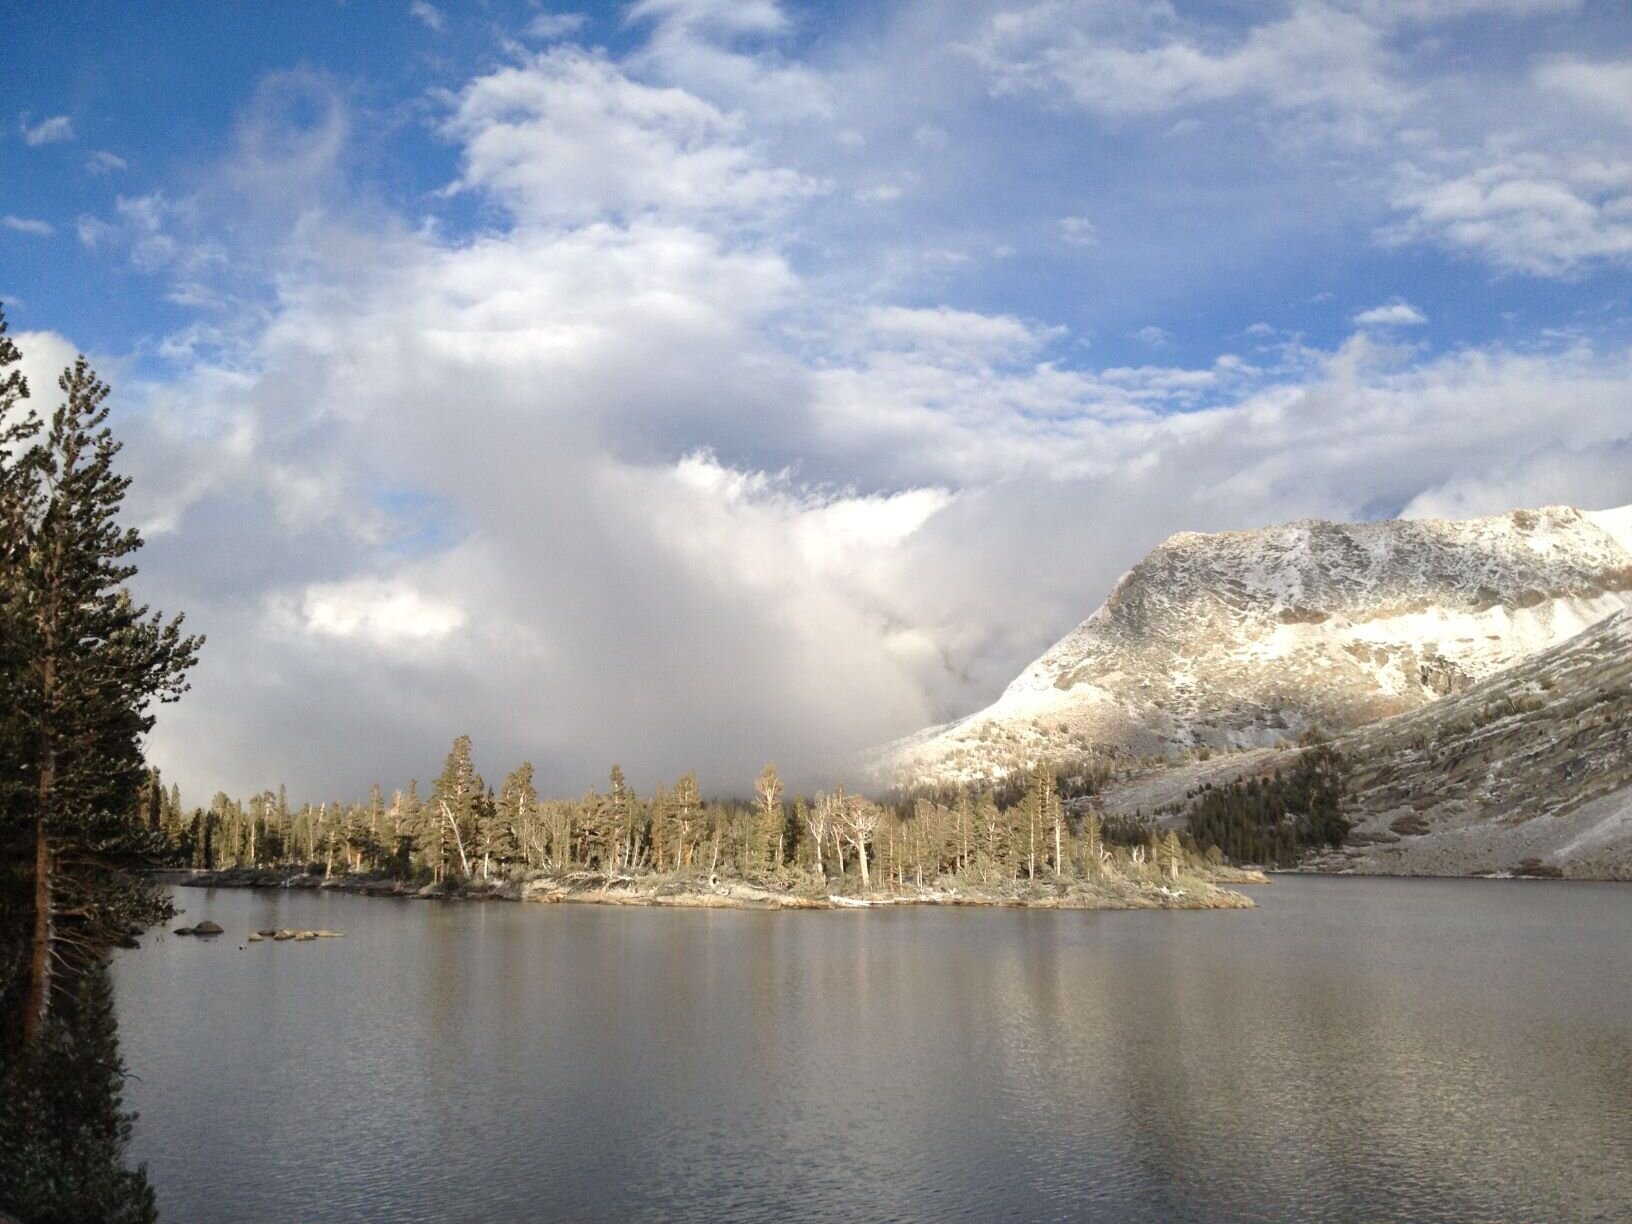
699 382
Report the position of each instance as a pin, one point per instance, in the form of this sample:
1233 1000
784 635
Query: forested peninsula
461 838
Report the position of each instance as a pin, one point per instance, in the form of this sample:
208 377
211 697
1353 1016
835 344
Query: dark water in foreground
1352 1050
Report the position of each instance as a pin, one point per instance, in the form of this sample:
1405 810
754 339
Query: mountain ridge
1244 639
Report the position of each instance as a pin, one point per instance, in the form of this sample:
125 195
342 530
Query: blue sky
701 381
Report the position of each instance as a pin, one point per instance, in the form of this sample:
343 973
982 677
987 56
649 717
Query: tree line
462 829
1276 820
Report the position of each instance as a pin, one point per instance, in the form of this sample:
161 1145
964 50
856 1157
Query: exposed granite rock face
1244 639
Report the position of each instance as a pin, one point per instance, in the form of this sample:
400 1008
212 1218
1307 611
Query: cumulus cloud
1544 213
427 14
56 129
568 137
1397 313
1515 169
1604 85
103 162
384 614
28 225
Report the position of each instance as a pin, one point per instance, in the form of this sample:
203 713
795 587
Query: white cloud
955 337
567 137
93 231
54 130
1604 86
719 16
1126 59
28 225
1551 475
382 613
550 26
727 52
1544 213
1156 337
426 12
1078 231
1397 313
103 162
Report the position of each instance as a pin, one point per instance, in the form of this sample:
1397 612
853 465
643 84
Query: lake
1353 1049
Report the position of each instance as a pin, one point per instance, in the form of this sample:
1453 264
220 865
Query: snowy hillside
1532 765
1246 638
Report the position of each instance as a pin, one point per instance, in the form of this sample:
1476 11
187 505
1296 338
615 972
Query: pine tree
171 820
766 842
621 817
518 809
1093 841
662 826
455 800
994 838
685 809
965 816
417 834
1172 855
94 664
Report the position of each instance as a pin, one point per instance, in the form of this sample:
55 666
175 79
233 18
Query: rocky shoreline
592 888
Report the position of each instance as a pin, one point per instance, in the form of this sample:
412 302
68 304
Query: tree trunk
38 996
458 841
861 851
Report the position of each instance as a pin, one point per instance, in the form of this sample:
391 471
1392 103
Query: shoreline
589 888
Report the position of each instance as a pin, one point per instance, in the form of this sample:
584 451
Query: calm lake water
1352 1050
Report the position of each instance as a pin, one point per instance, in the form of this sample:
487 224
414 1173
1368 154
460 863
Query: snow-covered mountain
1246 638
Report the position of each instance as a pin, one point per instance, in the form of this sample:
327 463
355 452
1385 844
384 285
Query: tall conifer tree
95 663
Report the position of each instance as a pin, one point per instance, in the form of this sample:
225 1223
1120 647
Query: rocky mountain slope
1244 639
1529 771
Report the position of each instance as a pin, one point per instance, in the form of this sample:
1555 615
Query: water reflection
1352 1049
